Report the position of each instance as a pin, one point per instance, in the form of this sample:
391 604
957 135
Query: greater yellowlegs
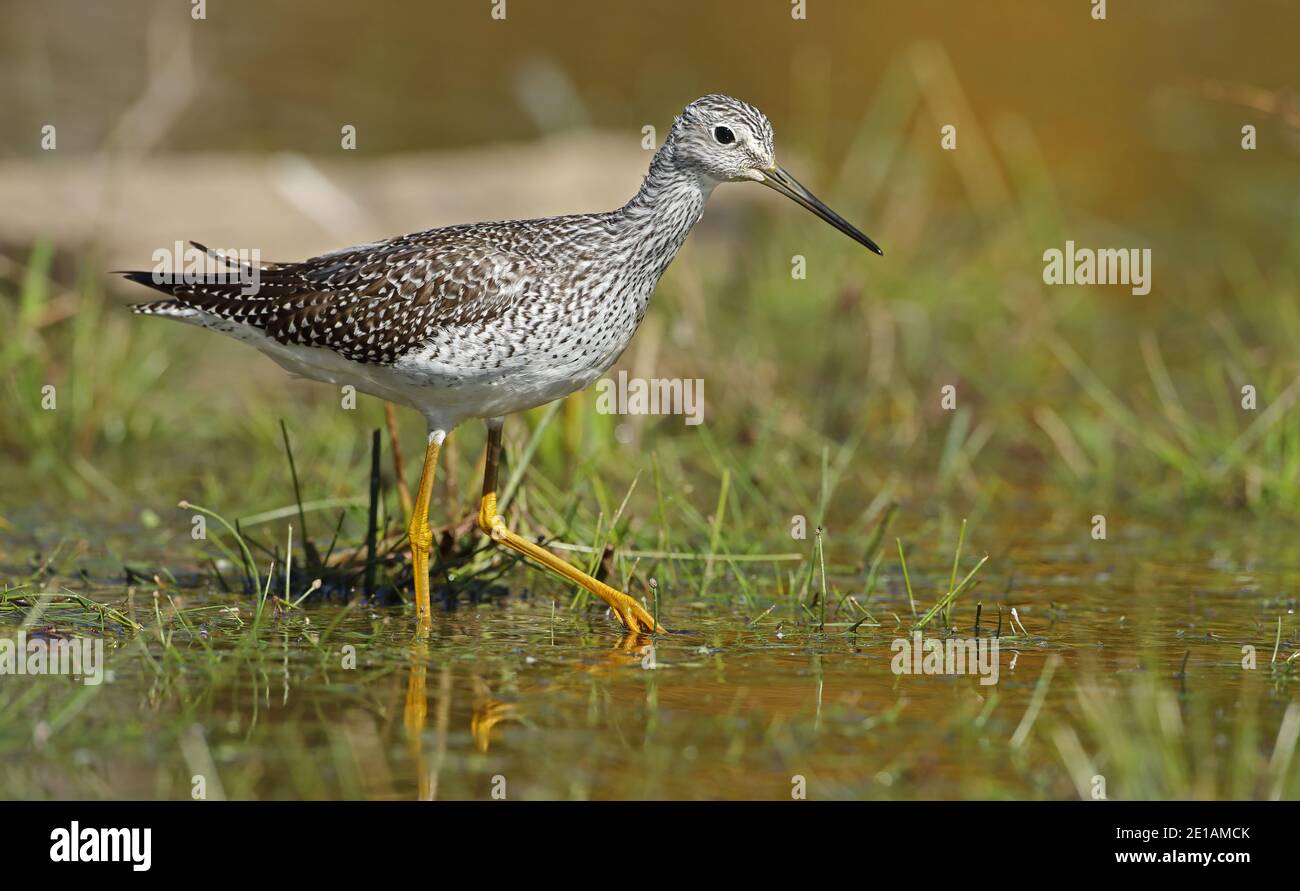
488 319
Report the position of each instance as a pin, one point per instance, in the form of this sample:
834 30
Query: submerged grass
282 712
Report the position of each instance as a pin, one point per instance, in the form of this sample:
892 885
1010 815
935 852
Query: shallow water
514 698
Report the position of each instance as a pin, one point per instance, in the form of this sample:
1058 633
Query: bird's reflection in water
415 716
487 711
638 645
628 648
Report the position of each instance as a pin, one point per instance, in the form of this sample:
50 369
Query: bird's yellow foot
631 614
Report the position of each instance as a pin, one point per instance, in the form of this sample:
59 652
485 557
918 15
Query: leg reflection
488 712
414 718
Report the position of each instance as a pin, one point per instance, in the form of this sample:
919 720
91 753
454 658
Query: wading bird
488 319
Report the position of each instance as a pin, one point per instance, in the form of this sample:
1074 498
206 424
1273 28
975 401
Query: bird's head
722 139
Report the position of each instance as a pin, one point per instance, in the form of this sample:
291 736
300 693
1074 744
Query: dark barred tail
158 308
153 307
173 284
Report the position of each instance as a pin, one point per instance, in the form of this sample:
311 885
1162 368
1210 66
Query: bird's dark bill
780 181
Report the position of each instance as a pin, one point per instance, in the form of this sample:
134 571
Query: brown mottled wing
373 303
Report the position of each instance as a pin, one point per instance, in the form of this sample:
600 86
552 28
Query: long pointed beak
778 180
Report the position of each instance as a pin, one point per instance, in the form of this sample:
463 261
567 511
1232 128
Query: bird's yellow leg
419 533
627 610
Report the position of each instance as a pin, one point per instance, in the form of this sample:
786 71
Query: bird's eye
724 135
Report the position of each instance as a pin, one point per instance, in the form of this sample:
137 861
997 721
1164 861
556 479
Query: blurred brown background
1105 100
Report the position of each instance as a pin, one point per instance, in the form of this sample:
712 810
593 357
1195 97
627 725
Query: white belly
464 372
